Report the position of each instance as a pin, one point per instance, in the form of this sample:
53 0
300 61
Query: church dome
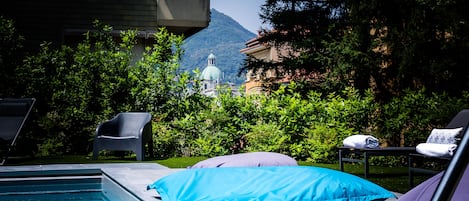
211 72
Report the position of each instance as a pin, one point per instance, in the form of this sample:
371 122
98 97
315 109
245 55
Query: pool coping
134 177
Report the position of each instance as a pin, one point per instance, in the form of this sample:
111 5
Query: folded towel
361 141
436 150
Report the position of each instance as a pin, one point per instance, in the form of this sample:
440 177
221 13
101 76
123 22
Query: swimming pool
78 184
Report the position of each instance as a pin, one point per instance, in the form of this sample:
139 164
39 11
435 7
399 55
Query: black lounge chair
454 172
450 184
461 120
127 131
13 115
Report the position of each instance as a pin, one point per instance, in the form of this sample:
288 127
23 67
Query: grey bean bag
248 160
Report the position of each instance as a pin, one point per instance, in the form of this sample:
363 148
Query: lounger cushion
266 183
444 136
247 159
10 126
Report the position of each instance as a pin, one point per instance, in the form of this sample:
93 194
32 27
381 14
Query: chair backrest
13 115
451 179
460 120
129 122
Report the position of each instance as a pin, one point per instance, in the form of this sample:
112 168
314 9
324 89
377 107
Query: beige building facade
256 81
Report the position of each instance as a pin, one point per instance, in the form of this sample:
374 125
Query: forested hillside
224 37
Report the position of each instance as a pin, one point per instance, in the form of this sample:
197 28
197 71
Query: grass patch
180 162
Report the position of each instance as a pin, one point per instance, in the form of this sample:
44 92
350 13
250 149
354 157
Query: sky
245 12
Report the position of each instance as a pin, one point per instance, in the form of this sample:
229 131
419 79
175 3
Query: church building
212 78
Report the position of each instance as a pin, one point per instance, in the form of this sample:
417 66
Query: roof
211 73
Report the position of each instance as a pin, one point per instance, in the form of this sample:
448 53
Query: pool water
92 185
91 196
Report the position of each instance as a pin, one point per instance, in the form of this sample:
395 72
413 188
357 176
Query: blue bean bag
274 183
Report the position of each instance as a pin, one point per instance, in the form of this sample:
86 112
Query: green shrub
78 87
408 120
321 141
11 55
212 144
164 141
267 137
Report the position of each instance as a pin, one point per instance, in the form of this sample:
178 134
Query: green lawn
392 178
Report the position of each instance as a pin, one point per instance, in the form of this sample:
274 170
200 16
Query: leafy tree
78 87
299 31
11 44
388 46
157 83
412 44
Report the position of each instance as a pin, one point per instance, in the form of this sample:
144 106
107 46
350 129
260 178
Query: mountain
223 37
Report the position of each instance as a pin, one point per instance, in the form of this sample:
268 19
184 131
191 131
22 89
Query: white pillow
444 136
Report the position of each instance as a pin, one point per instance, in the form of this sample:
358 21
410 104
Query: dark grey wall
57 20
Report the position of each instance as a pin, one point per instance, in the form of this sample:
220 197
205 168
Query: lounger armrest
146 131
109 127
117 138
